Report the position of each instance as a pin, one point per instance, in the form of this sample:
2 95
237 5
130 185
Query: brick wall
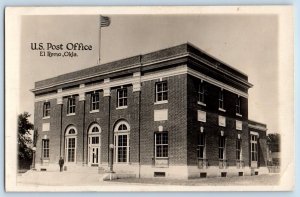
175 125
211 128
52 135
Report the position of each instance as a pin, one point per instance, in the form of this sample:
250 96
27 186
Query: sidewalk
83 179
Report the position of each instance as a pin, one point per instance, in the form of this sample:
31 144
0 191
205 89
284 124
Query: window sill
72 114
122 107
46 117
200 103
160 102
94 111
237 114
223 110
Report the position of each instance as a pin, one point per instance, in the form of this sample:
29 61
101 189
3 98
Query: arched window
71 132
94 145
121 133
94 129
71 144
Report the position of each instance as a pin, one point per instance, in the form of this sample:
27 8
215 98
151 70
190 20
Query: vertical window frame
201 93
238 105
122 98
71 105
122 148
254 148
161 144
45 149
201 145
71 151
161 92
221 100
122 129
238 149
46 109
95 101
222 148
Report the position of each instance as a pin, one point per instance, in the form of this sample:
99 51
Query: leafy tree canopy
274 142
24 127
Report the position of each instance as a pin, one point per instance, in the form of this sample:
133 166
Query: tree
24 140
273 141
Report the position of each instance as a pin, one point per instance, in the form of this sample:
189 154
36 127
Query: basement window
241 173
203 175
223 174
159 174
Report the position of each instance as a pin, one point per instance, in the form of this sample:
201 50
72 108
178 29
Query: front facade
177 113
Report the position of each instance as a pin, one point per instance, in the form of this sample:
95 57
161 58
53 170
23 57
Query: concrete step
84 169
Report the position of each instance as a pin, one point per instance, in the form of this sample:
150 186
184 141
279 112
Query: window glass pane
165 96
161 140
165 151
72 131
165 138
165 86
220 153
122 148
158 151
120 94
95 130
159 87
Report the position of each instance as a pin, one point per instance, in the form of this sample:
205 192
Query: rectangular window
221 99
122 147
71 105
201 93
238 105
95 100
254 148
161 91
161 145
201 146
45 147
122 97
46 109
238 149
71 146
221 147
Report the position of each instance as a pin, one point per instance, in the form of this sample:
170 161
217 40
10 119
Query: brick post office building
176 112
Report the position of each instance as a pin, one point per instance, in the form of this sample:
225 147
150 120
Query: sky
248 43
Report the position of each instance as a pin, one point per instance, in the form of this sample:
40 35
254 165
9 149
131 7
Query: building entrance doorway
95 156
94 145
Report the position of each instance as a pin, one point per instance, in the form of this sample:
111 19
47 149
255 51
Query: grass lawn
270 179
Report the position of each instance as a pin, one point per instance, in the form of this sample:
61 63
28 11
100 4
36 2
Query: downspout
110 138
83 133
139 115
60 144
